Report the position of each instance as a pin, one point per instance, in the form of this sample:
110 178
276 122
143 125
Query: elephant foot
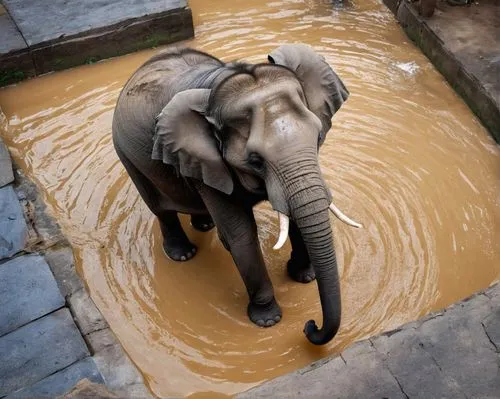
202 223
178 249
264 315
300 272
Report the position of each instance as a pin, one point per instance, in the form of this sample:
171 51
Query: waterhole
406 157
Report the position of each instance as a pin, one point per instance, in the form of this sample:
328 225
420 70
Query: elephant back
156 82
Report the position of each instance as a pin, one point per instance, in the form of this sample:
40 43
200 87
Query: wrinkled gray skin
209 139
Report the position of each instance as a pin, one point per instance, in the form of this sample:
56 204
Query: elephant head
265 123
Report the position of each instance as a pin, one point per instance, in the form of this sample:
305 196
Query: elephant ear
184 139
325 92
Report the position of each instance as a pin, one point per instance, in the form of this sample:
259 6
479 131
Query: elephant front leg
299 266
238 232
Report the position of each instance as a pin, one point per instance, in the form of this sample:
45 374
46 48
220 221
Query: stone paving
51 333
454 353
43 36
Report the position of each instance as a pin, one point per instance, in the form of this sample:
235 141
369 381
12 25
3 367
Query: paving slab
39 349
28 291
13 229
460 347
62 264
62 381
448 354
85 32
119 372
6 174
87 316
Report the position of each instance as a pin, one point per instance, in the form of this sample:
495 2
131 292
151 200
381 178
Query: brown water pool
406 156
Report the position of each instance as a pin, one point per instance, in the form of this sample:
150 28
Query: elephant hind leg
202 223
176 244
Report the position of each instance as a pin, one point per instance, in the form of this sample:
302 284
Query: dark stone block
28 291
39 349
13 229
62 381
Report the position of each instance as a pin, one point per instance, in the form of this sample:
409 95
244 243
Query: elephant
210 139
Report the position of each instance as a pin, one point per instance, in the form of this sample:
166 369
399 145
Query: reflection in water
406 156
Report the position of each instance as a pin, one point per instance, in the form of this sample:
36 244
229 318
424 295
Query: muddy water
406 157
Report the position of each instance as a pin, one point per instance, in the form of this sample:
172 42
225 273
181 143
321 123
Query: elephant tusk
284 223
337 212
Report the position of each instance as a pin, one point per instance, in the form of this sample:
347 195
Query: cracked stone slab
361 375
491 325
6 174
460 347
415 370
13 228
61 382
39 349
28 291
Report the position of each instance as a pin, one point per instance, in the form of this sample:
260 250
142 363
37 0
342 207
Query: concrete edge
350 355
466 85
46 238
91 46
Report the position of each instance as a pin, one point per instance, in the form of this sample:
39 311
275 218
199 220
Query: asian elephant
211 139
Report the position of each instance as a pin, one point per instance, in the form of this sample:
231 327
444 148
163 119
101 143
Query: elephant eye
256 161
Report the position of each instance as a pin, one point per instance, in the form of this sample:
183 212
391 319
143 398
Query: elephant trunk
308 203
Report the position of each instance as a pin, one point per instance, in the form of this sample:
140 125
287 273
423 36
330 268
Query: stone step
28 291
61 382
39 349
82 32
13 228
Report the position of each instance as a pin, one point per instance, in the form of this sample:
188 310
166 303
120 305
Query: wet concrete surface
463 43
